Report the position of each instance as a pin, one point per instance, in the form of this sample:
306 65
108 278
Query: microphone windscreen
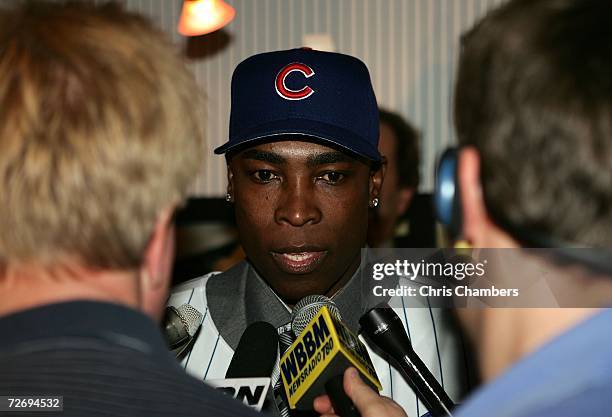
181 324
191 317
307 308
256 352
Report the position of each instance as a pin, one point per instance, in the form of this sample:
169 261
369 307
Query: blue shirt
570 376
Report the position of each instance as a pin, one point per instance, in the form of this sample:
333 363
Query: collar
112 323
240 297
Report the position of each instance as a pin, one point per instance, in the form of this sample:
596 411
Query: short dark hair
407 145
534 97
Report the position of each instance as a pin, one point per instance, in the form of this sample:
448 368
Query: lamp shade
199 17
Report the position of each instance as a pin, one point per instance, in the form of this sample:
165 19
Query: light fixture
199 17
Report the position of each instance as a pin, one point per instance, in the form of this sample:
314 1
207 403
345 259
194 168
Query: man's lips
298 261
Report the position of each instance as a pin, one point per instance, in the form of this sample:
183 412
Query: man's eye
264 175
332 177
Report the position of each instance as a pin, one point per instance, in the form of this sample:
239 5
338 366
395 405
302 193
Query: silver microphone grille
191 318
308 307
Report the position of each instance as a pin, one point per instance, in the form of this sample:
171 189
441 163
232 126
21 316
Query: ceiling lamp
199 17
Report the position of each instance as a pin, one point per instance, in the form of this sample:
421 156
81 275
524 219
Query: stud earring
228 197
374 202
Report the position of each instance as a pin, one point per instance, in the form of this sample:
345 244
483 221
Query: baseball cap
322 95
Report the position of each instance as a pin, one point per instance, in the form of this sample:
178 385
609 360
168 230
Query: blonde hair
100 130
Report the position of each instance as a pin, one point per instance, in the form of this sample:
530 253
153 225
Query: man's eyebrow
265 156
328 158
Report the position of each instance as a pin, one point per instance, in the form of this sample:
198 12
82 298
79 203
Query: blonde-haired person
100 135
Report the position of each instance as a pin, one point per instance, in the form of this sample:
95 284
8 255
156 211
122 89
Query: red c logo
285 92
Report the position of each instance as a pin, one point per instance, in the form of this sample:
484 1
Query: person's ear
156 270
229 197
479 230
404 198
473 209
377 176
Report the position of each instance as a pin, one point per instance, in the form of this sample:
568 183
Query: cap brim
320 131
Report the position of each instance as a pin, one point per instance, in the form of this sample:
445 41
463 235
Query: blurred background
410 48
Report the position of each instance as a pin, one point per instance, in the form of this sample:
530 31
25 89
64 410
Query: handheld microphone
248 376
386 330
323 349
180 325
255 355
303 312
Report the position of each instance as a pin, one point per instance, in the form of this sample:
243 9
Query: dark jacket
105 360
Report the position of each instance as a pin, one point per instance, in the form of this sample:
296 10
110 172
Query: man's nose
298 204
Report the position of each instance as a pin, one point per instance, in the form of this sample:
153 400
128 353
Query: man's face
302 212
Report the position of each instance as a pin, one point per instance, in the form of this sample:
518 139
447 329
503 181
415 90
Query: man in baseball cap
303 167
303 172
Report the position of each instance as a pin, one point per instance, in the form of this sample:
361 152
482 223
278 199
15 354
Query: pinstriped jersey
433 338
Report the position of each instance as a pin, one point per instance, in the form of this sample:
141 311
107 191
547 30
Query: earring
374 202
228 197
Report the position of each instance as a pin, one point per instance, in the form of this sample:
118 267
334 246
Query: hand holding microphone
323 349
303 313
367 401
385 329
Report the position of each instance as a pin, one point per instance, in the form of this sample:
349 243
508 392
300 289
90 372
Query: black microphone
385 329
322 351
256 353
247 378
180 326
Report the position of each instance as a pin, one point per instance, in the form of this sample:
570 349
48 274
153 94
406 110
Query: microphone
248 376
323 349
386 330
255 355
303 312
179 326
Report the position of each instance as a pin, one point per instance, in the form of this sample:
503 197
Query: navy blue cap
323 95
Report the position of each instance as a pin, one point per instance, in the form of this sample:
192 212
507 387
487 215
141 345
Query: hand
367 401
